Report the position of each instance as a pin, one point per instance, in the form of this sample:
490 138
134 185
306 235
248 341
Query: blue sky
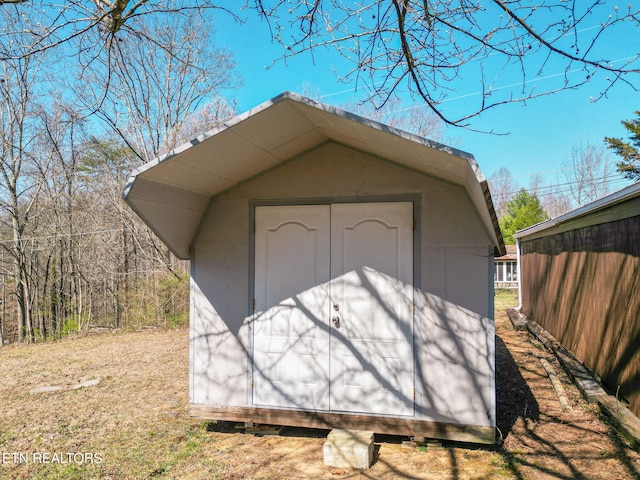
540 134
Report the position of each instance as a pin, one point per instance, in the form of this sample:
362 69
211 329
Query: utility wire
65 235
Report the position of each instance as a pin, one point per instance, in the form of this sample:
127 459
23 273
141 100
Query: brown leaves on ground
136 422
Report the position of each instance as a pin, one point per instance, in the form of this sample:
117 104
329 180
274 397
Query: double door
333 321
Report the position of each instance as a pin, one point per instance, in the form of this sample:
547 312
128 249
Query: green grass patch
505 298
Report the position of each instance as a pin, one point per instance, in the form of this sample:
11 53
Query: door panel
352 263
372 275
291 340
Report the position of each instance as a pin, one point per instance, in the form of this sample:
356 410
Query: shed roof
594 212
172 192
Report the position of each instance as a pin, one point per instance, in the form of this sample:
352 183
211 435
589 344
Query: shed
580 280
341 272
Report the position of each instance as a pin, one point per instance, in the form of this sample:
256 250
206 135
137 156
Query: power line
564 189
65 235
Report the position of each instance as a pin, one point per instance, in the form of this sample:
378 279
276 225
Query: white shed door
333 326
291 338
372 275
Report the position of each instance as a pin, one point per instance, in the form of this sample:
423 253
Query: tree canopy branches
433 48
505 51
73 123
54 24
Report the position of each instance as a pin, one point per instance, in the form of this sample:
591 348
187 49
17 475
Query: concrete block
348 448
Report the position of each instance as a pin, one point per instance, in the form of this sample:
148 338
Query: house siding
454 319
583 286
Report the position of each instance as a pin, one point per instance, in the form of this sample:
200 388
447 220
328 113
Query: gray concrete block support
348 448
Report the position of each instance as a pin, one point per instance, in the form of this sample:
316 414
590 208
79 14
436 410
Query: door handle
336 321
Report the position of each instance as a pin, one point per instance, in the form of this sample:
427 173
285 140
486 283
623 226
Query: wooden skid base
264 430
387 425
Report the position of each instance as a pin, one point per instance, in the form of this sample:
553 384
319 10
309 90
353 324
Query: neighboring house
580 280
506 269
341 272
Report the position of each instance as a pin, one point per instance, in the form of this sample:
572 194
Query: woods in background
90 90
72 255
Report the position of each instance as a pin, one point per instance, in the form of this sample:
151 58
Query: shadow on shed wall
583 286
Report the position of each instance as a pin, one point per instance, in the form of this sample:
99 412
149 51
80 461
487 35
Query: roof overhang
172 192
590 209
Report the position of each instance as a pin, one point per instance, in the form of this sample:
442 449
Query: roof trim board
172 191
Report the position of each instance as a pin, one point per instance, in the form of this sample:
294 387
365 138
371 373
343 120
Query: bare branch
430 48
433 49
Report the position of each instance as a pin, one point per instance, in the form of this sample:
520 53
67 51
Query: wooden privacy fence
583 287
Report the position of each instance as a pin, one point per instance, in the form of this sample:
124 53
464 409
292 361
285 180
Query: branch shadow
514 397
581 286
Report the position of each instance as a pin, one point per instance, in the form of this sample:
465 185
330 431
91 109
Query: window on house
506 272
499 274
511 271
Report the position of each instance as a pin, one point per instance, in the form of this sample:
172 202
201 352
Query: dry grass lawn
134 424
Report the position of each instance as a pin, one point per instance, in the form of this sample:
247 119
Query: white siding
454 320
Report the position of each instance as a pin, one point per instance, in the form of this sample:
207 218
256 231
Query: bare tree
153 90
66 213
419 121
588 173
554 199
23 169
55 24
210 115
503 188
169 94
428 47
78 255
553 195
433 47
159 97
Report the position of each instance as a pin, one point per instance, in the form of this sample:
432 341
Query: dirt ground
134 423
